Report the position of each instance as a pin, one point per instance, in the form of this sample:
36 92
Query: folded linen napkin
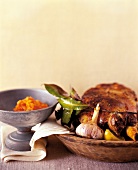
37 143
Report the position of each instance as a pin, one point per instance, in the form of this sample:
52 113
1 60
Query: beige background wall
68 42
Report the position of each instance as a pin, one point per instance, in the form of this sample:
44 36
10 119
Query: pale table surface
59 158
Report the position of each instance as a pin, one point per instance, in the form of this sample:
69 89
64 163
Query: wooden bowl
101 150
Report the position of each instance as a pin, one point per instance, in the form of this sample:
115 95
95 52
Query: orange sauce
28 104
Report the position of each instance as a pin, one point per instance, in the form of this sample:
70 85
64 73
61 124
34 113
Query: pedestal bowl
23 120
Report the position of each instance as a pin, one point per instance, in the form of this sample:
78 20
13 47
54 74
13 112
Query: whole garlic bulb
91 129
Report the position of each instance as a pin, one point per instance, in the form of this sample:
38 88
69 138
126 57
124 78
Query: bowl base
19 141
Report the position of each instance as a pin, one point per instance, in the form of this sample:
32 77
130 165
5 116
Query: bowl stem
19 140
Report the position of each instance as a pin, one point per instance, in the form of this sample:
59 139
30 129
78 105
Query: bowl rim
33 89
93 142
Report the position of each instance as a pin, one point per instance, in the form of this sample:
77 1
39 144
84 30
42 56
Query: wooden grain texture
101 150
59 158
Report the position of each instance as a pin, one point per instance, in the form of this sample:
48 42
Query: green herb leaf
71 104
74 94
77 112
66 116
55 90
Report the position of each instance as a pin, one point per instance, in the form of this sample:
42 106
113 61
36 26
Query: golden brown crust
111 97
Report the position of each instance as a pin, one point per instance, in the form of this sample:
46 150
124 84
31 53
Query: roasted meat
118 106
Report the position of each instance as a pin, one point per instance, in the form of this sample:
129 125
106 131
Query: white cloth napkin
37 143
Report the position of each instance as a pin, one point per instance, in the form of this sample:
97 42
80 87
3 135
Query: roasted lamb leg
118 106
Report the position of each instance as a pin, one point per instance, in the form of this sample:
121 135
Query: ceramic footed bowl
23 120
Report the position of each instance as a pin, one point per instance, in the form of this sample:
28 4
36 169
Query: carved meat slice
116 102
